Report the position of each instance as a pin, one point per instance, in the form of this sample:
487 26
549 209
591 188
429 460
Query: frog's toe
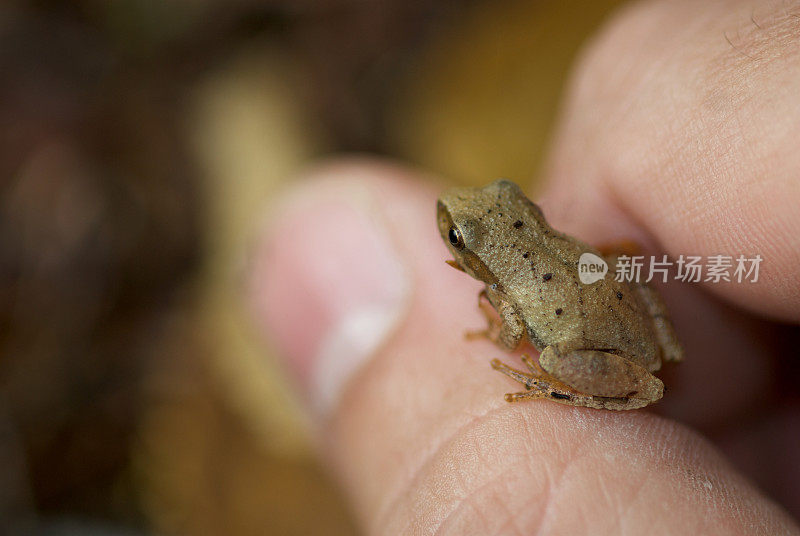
525 395
528 380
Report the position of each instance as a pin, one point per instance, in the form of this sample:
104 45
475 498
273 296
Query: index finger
681 130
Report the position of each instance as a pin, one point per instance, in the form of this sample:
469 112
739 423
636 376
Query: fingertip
326 284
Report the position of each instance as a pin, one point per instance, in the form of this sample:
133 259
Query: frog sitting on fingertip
600 342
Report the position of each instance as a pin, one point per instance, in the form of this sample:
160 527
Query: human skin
679 131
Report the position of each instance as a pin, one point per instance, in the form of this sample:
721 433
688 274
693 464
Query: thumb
351 285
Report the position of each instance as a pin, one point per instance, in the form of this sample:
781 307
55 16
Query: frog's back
537 267
605 315
618 318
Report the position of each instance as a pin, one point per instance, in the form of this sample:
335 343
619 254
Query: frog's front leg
505 328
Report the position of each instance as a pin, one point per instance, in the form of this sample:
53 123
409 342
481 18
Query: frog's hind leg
671 349
601 374
541 385
546 387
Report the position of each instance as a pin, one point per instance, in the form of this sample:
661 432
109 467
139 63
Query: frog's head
475 222
463 236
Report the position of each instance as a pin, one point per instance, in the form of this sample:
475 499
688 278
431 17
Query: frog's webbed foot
540 384
530 381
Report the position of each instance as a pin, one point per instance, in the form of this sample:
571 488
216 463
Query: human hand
675 136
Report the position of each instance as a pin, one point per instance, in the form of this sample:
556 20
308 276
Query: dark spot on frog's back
525 255
619 295
547 277
518 224
559 311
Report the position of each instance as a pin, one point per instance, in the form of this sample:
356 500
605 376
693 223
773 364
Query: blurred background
141 141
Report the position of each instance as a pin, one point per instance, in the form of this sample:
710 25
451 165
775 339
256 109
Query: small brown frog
600 342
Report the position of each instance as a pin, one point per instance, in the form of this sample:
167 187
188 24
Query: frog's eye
454 235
